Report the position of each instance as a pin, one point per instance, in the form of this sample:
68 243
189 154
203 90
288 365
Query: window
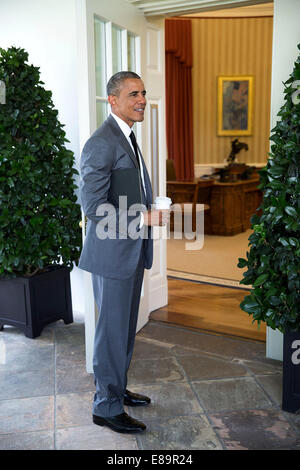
115 50
116 40
100 59
131 52
100 70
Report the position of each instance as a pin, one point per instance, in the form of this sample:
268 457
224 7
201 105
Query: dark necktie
133 141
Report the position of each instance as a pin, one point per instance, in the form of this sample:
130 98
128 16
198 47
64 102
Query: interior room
216 164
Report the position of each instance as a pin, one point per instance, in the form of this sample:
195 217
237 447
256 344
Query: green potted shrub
273 260
39 233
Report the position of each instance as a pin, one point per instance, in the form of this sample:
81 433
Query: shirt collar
123 125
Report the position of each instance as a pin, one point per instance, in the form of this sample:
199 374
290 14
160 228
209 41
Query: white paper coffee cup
162 202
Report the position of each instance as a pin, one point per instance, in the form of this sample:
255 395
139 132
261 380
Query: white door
127 39
156 155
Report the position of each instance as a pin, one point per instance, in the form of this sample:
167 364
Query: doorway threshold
216 281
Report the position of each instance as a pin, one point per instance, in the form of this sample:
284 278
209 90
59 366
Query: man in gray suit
117 261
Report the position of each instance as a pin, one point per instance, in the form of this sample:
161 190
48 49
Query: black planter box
291 372
30 303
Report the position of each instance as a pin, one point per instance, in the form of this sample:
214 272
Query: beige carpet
216 262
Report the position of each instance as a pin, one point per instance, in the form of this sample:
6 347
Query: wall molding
248 11
177 7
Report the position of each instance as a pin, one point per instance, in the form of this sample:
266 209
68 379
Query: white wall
46 29
286 36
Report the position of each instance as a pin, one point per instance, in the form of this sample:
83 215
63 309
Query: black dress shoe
134 399
120 423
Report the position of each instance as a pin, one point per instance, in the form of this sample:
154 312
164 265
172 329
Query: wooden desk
184 191
232 205
191 192
180 191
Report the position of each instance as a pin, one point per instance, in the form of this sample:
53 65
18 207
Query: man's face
131 102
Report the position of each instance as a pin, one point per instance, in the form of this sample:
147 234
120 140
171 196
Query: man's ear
112 100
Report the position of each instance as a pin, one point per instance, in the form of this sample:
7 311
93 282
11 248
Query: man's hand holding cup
161 214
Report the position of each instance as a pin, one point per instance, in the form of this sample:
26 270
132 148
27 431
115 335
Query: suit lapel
122 139
127 147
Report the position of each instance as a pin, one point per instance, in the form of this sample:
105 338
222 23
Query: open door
117 34
156 157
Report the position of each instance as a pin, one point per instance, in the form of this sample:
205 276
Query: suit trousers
118 305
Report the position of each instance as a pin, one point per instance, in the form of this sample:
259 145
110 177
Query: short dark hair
115 82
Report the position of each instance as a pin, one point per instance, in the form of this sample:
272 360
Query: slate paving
209 392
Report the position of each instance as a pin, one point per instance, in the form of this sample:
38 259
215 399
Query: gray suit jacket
105 151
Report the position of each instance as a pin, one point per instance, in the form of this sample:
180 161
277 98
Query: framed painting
235 105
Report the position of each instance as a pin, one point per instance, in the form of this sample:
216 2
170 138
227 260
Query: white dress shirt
127 131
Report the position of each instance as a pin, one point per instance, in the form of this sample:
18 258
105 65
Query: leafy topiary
38 211
273 261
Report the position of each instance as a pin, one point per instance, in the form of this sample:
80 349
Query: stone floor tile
92 437
68 332
231 394
272 384
17 357
155 370
70 357
205 367
42 440
255 430
26 415
219 345
167 400
146 348
179 433
294 419
32 383
74 409
70 345
74 379
10 334
171 335
263 367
